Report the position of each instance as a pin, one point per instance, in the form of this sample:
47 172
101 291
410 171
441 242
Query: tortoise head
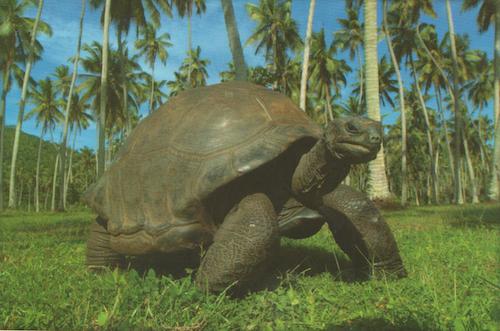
353 139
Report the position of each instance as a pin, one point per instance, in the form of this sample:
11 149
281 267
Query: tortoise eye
351 128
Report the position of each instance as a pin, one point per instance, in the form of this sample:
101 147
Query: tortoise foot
99 253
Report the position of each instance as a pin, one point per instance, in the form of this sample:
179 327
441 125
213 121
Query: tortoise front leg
245 242
99 253
361 231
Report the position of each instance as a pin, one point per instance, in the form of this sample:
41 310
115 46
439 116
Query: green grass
451 254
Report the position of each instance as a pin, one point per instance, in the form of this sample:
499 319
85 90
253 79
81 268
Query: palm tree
78 120
234 40
22 102
290 79
195 67
489 13
122 13
305 62
130 77
91 84
101 122
177 85
466 64
48 114
185 8
431 54
395 63
276 32
379 186
326 71
457 110
350 37
157 96
125 12
480 88
386 83
68 95
402 19
351 106
153 47
14 37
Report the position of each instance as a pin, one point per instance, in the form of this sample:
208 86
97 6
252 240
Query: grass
451 254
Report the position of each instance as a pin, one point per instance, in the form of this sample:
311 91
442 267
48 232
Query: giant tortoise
231 168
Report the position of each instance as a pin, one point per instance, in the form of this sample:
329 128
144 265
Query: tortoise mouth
355 153
356 148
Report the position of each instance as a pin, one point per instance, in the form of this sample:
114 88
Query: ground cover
451 254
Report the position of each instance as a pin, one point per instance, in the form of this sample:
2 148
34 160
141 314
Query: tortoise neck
317 173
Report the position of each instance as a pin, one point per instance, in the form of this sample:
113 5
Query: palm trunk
234 40
152 92
104 89
428 131
328 103
445 127
361 80
307 50
378 180
190 49
128 117
54 181
109 150
3 101
29 199
46 199
37 177
69 173
494 185
404 167
21 191
62 195
458 114
464 179
275 62
436 169
22 104
470 171
481 145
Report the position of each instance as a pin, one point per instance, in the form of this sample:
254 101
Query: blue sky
210 34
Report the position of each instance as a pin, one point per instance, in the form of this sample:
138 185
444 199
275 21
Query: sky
210 34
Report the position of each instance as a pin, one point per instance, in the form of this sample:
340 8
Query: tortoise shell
152 195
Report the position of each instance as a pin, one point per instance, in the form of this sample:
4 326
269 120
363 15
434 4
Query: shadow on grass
363 324
474 218
291 260
311 261
74 225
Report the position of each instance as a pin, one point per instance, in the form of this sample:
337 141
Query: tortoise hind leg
297 221
99 253
243 246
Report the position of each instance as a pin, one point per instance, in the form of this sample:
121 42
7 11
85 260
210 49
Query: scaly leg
361 231
245 242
